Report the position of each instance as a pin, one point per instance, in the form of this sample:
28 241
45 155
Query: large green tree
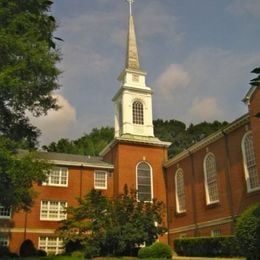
115 226
28 76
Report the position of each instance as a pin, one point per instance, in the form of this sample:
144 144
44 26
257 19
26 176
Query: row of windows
210 175
58 176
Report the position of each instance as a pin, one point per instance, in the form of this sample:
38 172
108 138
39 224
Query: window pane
180 191
249 157
100 180
144 187
211 179
138 116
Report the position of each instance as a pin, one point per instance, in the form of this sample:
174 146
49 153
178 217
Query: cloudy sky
198 56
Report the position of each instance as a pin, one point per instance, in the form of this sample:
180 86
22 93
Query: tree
27 66
27 78
114 226
247 232
18 171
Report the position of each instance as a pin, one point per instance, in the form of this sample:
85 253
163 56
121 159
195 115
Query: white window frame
214 184
138 112
5 213
98 179
215 232
53 207
151 180
51 245
247 168
60 170
4 240
180 192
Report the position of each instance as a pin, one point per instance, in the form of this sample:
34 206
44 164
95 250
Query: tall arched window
251 175
144 182
210 175
138 113
180 191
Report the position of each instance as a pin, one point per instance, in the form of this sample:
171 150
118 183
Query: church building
204 187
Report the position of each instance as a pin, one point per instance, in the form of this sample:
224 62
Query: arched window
138 113
180 191
144 182
251 175
210 175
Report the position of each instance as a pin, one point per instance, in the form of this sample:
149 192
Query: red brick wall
80 182
231 184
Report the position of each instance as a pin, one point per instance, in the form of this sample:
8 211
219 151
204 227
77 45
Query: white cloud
217 80
56 124
173 79
242 7
206 108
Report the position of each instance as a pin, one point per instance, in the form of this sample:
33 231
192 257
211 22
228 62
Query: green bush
27 248
4 251
156 251
77 254
247 231
206 246
145 252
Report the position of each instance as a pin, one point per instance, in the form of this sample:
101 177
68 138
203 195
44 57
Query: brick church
204 187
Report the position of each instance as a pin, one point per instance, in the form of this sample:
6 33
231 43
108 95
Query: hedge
222 246
156 251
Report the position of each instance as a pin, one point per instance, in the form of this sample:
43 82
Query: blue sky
198 56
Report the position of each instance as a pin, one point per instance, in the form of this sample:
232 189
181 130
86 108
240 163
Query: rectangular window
215 232
4 240
58 176
51 245
53 210
100 180
5 212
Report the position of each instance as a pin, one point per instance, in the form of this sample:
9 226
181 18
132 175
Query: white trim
176 192
96 180
206 185
246 172
208 140
49 177
4 240
151 179
31 230
60 209
215 222
44 244
5 209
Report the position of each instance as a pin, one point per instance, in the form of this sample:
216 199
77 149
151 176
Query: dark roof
74 160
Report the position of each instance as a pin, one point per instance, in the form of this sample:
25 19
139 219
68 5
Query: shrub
160 250
77 254
206 246
27 248
41 252
144 252
247 231
4 251
156 250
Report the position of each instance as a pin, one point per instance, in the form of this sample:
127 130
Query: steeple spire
132 57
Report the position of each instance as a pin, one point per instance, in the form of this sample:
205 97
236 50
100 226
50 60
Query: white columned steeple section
133 100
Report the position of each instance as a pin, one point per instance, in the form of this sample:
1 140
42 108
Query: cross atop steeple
131 2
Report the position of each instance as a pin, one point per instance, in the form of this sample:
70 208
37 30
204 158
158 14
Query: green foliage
256 81
116 226
89 144
27 248
145 252
247 231
27 66
157 251
170 130
17 174
222 246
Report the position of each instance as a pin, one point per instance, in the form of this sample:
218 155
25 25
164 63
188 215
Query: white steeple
133 101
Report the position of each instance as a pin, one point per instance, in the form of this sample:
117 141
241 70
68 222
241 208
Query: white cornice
208 140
